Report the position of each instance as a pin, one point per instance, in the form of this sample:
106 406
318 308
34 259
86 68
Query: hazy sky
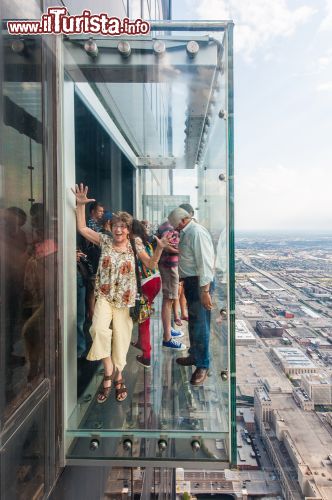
283 109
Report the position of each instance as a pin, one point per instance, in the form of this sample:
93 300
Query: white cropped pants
113 342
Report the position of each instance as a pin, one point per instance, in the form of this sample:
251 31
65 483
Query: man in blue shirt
196 270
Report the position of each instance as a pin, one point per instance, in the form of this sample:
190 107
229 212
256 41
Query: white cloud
280 197
326 24
324 61
14 9
257 22
322 87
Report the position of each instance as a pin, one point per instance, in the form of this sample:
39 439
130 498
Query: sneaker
174 344
143 361
176 333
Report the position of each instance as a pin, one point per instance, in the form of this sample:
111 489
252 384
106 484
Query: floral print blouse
116 278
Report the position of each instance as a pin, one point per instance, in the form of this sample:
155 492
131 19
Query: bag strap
138 278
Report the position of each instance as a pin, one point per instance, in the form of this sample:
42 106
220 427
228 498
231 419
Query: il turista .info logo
57 21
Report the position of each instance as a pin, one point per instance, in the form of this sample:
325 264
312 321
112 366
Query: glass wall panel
25 249
29 353
23 459
164 113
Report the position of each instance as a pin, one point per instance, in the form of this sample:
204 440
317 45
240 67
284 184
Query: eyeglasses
121 226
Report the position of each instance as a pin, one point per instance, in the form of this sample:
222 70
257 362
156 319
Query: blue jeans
199 324
81 340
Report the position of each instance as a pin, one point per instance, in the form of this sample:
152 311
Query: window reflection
23 460
25 246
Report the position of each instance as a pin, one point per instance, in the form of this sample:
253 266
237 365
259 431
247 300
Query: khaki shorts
169 282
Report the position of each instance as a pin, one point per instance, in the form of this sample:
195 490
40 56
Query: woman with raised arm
115 292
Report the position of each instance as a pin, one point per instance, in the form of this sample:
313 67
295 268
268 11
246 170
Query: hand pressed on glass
80 193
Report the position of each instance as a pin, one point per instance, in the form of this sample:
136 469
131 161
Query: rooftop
268 324
316 379
311 438
242 331
256 367
292 356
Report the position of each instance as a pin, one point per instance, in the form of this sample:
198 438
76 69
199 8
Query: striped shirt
169 259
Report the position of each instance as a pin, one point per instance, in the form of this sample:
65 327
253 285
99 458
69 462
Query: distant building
318 388
302 400
329 421
303 465
293 360
262 406
250 311
267 329
247 416
243 335
266 285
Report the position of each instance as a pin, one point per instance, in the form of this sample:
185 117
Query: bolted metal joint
195 445
127 444
91 48
222 114
192 48
162 445
124 48
94 444
18 46
159 47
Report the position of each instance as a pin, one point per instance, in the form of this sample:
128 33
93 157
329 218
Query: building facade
318 388
131 118
293 361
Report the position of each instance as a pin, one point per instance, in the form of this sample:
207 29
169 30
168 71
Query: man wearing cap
196 270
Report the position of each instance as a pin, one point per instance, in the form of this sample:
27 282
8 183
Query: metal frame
130 462
231 254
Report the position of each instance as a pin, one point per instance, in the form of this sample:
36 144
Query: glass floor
161 404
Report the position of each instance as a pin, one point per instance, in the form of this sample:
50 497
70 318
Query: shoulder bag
141 310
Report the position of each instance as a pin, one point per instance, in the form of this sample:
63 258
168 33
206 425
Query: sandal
120 391
178 321
185 318
104 393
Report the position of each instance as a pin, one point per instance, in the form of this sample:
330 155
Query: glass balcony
148 125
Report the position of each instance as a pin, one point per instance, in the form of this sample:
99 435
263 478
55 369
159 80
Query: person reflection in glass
42 258
16 253
196 270
115 291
